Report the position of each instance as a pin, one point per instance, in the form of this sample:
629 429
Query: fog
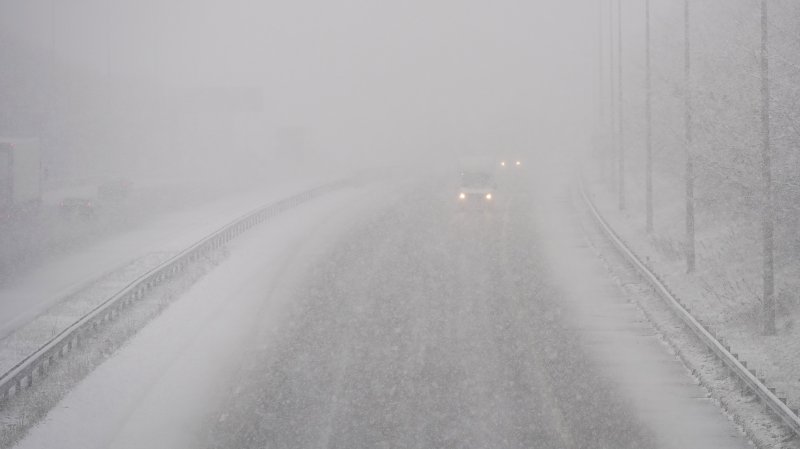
371 224
363 83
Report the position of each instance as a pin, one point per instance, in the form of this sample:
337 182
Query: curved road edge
737 368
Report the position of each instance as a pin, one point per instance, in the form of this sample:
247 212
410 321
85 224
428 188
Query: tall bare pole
766 170
612 89
52 41
621 140
649 123
690 243
598 94
47 125
108 31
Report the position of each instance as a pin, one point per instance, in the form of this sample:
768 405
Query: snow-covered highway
462 224
388 318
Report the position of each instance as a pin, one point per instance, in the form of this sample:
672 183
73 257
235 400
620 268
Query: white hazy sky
422 74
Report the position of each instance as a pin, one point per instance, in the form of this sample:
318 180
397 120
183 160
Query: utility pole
690 244
621 140
649 123
52 42
157 36
48 126
612 89
766 171
599 97
108 31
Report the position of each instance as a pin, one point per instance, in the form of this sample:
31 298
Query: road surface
434 327
392 319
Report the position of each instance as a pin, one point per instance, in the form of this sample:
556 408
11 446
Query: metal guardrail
746 376
24 373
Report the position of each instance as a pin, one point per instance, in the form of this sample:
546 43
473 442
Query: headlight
488 196
503 163
462 196
518 163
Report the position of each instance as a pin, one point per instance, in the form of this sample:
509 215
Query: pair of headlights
517 163
463 196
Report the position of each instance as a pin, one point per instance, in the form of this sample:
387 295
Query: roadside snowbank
155 391
64 276
725 291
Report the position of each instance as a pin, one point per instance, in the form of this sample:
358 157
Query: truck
20 176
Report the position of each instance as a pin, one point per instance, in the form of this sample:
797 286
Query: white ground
667 398
725 291
157 390
61 276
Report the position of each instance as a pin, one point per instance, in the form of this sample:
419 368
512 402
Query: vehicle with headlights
510 164
477 189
